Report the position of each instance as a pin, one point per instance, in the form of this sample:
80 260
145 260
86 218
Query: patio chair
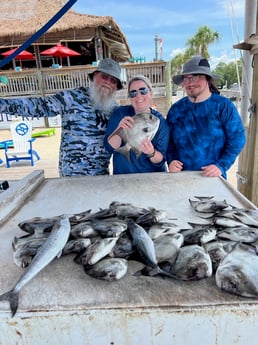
22 143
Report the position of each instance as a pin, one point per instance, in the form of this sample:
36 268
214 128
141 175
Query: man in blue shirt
84 114
206 131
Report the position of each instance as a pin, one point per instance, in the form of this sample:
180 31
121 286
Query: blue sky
175 21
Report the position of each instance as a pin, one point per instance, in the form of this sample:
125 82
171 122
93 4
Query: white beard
104 101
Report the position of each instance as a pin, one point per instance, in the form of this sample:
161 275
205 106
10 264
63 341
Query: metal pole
247 71
156 40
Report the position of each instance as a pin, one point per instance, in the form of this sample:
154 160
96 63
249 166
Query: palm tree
197 45
177 63
201 40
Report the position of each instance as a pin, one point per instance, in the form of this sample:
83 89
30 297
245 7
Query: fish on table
162 228
208 206
217 251
23 255
77 245
199 233
192 263
83 230
49 250
152 217
237 273
96 251
246 234
109 269
146 248
121 210
109 227
123 248
37 224
106 240
167 247
127 210
248 217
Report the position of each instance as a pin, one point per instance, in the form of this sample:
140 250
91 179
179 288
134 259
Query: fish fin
13 299
206 215
59 254
193 203
104 213
145 271
204 198
159 271
136 152
124 150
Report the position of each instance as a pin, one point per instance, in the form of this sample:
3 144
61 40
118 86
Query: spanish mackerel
146 248
50 249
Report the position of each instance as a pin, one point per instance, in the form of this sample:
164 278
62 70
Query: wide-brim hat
196 65
110 67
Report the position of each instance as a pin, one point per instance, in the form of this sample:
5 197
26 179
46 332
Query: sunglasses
142 91
105 76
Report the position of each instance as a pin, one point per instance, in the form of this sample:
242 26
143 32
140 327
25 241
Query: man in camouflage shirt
84 115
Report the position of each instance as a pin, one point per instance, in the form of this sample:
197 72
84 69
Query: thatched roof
20 19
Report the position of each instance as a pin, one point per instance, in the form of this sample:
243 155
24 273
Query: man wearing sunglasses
84 114
206 131
153 152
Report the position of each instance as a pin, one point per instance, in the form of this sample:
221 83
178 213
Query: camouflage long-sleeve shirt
82 151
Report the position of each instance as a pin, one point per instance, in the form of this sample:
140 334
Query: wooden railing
48 80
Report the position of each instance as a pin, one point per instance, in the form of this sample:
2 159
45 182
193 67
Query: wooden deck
48 149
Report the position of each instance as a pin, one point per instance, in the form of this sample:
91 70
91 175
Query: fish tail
158 270
13 298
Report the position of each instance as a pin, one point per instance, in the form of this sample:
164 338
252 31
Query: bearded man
84 117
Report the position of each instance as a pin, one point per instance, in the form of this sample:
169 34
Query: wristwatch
152 154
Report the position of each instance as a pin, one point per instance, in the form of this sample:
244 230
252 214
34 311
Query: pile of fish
223 243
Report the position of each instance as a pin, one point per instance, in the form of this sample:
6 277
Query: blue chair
22 143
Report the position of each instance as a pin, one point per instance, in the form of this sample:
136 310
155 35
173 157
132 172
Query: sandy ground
48 149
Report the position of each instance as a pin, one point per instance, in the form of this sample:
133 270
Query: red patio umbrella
60 51
23 55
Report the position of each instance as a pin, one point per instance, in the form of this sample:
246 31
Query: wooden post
250 187
168 86
249 156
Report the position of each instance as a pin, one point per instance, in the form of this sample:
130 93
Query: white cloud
215 60
176 52
174 21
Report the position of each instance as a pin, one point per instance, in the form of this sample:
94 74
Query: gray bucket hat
196 65
140 77
110 67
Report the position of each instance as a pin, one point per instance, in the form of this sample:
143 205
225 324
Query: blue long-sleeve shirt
204 133
142 164
82 150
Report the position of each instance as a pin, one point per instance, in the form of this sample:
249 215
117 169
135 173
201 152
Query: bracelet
152 154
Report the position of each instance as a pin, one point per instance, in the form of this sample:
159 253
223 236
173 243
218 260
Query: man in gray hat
84 115
206 131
